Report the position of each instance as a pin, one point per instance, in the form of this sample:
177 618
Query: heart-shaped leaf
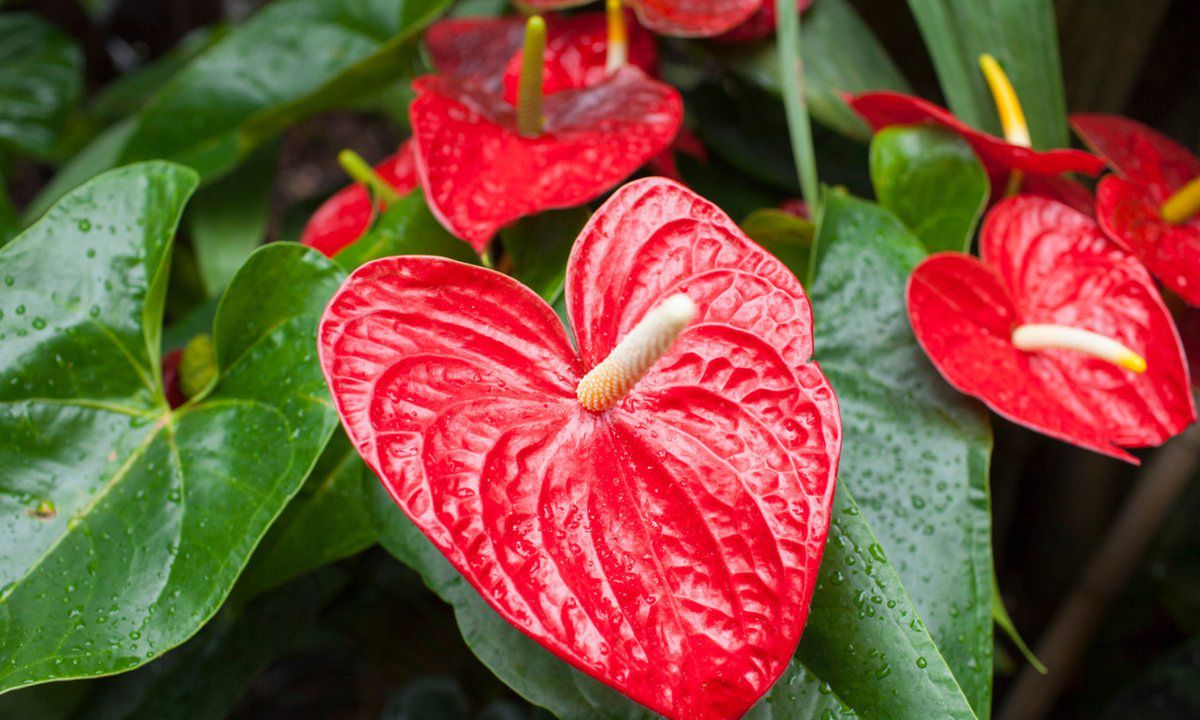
92 451
665 546
916 460
931 179
41 79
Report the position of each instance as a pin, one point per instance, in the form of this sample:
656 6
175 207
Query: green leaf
784 235
840 54
292 59
326 522
228 219
405 228
539 247
1021 34
125 522
205 678
932 180
41 79
533 672
915 455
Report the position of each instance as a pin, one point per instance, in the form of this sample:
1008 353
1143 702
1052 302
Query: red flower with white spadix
485 162
1152 204
1057 328
651 508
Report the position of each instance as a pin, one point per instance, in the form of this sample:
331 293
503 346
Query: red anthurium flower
345 216
761 24
651 508
680 18
1056 328
170 378
484 162
999 157
1151 206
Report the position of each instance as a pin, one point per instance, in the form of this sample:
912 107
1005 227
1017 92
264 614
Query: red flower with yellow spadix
652 507
1151 205
1057 328
484 162
487 52
1008 160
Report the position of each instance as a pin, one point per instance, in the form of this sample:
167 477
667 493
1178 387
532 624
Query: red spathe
669 546
1042 262
680 18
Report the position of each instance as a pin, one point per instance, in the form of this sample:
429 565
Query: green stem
529 90
799 128
361 172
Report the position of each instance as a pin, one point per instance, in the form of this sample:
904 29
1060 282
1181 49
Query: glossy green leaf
205 678
228 219
840 55
123 524
292 59
326 522
405 228
41 78
536 674
932 180
784 235
539 246
1022 35
915 455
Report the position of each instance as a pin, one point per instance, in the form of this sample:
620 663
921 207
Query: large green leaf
228 219
293 59
203 679
932 180
326 522
405 228
1020 34
41 77
840 54
536 674
123 523
915 455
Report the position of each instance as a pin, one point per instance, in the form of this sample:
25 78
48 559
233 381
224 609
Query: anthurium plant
594 360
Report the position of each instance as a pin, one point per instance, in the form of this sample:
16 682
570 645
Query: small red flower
652 508
1007 330
761 24
1133 206
680 18
345 216
999 157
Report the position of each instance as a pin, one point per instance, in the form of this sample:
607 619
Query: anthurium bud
197 366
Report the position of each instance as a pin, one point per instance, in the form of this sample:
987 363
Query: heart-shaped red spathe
761 24
669 546
480 174
1042 262
679 18
883 109
1151 168
345 216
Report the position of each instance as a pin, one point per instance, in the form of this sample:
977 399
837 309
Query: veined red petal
669 546
1131 214
345 216
1071 193
1139 153
882 109
479 174
1043 262
478 48
689 18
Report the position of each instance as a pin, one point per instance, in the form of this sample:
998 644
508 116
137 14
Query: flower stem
799 127
360 171
530 122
